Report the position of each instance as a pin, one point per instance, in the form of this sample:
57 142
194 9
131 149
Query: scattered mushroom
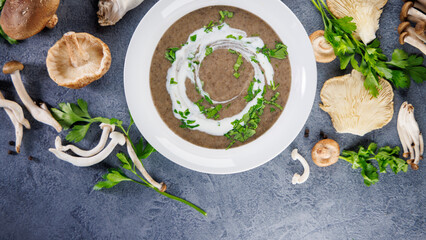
78 59
410 13
420 30
21 19
324 52
351 107
420 4
297 178
325 153
410 136
106 130
116 139
16 115
366 15
41 114
406 27
111 11
160 186
413 40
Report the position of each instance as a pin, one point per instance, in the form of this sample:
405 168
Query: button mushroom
111 11
116 139
297 178
410 13
21 19
78 59
16 115
406 27
413 40
366 15
325 153
324 52
351 107
41 113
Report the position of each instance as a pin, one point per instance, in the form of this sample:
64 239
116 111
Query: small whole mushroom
21 19
325 153
323 51
77 60
111 11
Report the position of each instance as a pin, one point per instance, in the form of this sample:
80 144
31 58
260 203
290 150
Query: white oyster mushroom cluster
410 136
111 11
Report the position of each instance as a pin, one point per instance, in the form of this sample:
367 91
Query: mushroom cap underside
325 152
323 51
21 19
352 108
65 74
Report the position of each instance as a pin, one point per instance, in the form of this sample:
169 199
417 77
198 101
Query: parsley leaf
209 50
237 65
171 54
194 37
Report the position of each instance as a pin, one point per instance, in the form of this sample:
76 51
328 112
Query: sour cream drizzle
185 67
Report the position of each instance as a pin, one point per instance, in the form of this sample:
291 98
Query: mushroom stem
401 130
16 111
116 139
77 56
111 11
41 114
52 22
413 132
160 186
405 37
422 145
415 15
298 179
406 26
106 130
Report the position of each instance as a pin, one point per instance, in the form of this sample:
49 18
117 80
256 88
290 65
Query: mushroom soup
225 77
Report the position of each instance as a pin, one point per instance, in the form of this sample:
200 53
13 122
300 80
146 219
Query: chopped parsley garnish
250 93
171 54
178 102
208 99
172 81
237 65
231 36
212 112
240 37
209 27
272 109
232 51
187 124
209 50
253 59
193 37
280 51
224 14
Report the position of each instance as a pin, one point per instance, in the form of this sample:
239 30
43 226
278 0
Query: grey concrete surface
47 198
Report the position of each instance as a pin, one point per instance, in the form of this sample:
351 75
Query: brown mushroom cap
77 59
402 37
402 26
323 51
12 66
404 10
21 19
420 28
325 152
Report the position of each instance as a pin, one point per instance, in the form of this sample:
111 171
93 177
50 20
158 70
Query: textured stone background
50 199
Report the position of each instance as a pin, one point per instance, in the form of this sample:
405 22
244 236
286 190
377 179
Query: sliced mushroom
325 153
351 107
78 59
21 19
116 139
106 130
41 114
410 13
19 131
297 178
111 11
413 40
406 27
160 186
365 13
324 52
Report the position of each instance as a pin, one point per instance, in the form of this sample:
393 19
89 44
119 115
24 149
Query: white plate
239 159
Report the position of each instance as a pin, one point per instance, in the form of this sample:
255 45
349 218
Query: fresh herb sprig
171 54
385 156
2 33
77 118
279 52
339 33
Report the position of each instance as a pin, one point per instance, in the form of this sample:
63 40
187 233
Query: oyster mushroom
324 52
297 178
111 11
41 114
21 19
366 15
351 107
78 59
325 153
410 13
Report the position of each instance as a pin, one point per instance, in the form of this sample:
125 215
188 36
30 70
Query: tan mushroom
419 4
352 108
413 40
323 51
78 59
325 152
21 19
420 30
366 15
411 13
406 27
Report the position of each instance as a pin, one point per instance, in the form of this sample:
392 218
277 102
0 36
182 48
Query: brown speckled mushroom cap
12 66
21 19
325 153
78 59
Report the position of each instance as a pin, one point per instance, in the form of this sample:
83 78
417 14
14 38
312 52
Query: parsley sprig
279 52
385 156
77 118
338 32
